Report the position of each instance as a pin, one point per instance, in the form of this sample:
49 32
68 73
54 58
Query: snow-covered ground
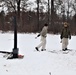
37 63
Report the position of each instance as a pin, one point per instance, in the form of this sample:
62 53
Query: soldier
43 35
65 34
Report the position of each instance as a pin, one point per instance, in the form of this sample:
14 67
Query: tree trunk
38 14
48 12
68 13
52 15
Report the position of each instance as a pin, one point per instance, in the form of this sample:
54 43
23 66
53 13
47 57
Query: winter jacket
65 33
43 33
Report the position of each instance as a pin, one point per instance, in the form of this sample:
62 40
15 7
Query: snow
37 63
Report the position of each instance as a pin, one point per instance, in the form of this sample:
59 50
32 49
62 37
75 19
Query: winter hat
45 24
65 23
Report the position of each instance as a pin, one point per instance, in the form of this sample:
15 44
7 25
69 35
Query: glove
38 35
69 37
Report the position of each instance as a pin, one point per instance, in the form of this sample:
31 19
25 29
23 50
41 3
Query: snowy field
37 63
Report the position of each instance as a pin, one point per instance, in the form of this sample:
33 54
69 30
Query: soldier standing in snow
65 34
43 35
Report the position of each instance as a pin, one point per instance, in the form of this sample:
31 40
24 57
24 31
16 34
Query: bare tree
38 13
15 6
52 14
2 15
48 11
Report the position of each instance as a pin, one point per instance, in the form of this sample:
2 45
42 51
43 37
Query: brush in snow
19 57
9 55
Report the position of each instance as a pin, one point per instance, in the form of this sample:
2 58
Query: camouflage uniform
65 34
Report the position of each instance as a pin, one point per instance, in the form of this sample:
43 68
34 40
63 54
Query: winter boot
63 50
43 49
66 49
36 48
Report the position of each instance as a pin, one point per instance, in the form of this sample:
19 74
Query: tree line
53 12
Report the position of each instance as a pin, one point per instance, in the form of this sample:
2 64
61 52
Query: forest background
32 15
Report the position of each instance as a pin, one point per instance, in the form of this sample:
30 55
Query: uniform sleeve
69 34
61 36
42 33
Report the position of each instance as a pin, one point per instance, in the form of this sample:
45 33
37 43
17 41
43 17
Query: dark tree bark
52 14
38 14
48 11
